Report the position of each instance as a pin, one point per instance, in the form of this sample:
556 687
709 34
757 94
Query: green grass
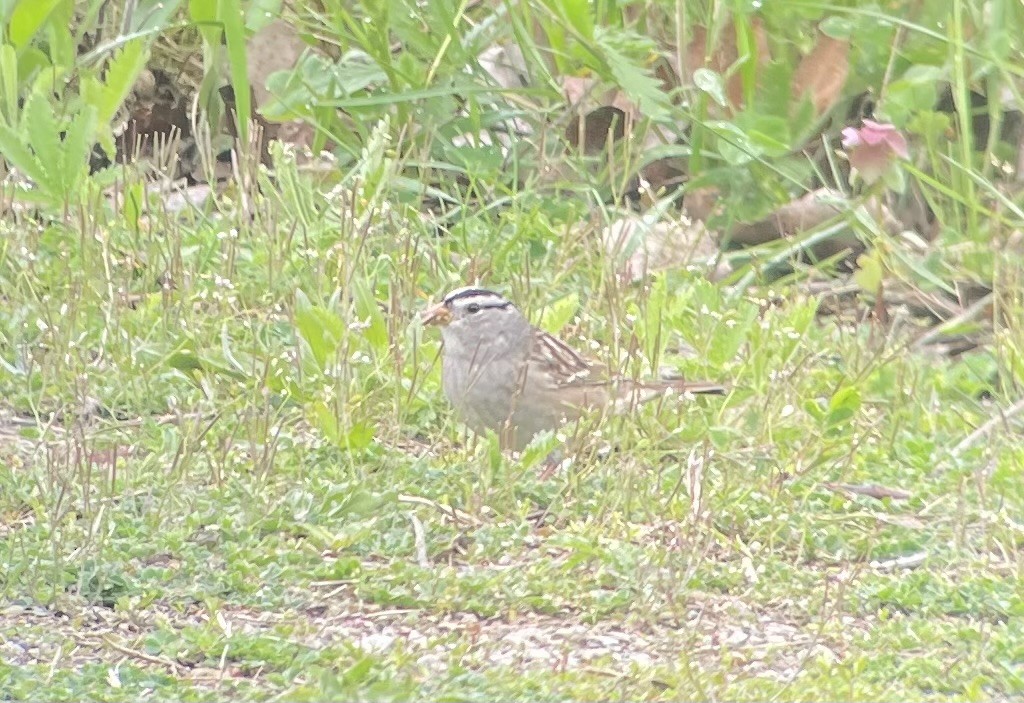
227 468
235 550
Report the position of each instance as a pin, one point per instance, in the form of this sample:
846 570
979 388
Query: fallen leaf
642 247
822 73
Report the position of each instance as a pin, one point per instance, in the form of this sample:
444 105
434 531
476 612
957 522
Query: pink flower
872 148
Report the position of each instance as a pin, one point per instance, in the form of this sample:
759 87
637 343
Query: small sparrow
503 374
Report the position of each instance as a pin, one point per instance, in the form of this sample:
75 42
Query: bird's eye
473 308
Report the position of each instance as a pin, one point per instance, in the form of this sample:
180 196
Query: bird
501 373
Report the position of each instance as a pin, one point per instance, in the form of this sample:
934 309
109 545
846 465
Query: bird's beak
436 315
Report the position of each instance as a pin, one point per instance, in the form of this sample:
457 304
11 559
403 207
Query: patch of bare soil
718 631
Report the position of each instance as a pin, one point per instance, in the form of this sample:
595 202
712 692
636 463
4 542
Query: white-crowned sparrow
501 373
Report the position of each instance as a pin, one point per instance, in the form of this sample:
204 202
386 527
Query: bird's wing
568 367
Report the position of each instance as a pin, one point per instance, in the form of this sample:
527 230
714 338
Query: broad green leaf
294 94
12 368
133 196
711 83
345 501
186 360
9 84
359 436
261 13
119 78
578 13
775 99
229 354
652 316
836 27
539 448
633 78
75 150
556 315
728 338
321 329
895 179
359 673
767 144
229 12
326 421
906 98
91 90
844 404
29 16
203 12
800 317
803 121
813 408
188 364
733 143
60 44
351 76
924 74
869 272
43 131
204 16
769 133
154 15
33 60
933 126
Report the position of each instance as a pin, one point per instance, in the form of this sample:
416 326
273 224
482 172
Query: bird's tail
643 392
697 387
